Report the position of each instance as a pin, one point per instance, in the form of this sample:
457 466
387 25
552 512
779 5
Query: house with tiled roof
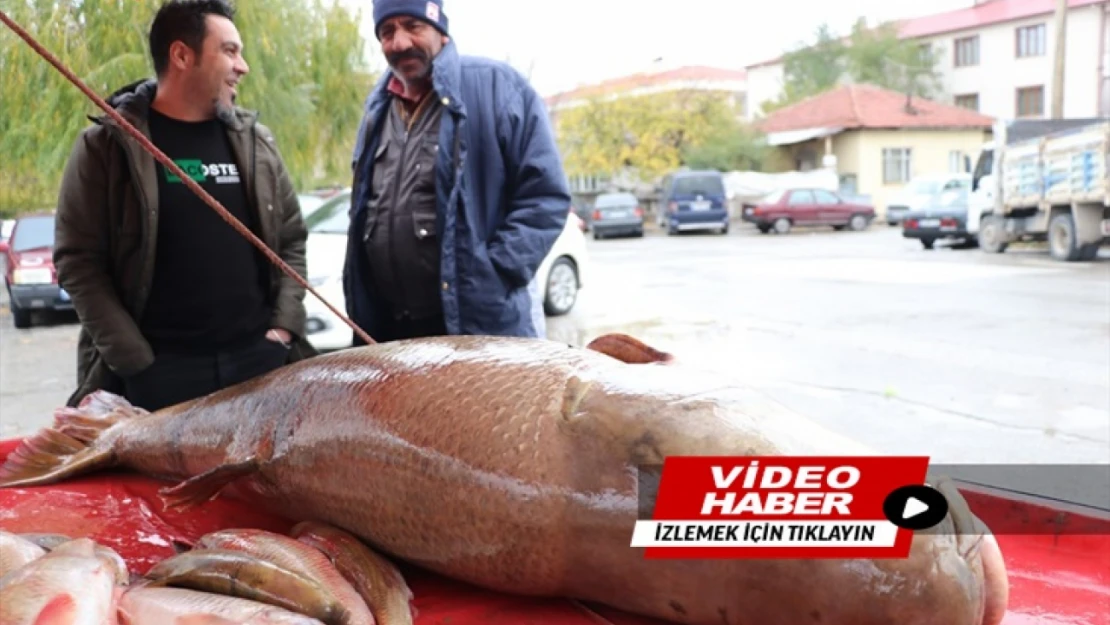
996 57
879 139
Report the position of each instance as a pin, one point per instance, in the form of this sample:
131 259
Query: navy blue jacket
502 197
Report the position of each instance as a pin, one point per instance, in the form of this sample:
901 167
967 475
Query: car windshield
924 186
309 203
614 201
703 185
331 217
33 233
773 197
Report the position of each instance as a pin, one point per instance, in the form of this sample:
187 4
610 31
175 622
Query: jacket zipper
137 285
392 219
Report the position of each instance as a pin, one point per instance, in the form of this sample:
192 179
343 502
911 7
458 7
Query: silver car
617 214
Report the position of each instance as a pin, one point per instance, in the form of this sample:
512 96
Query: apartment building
996 58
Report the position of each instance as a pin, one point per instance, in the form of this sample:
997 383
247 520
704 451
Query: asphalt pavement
960 355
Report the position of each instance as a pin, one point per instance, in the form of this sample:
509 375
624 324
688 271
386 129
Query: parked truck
1044 180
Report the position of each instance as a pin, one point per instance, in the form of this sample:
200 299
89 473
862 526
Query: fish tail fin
628 349
76 444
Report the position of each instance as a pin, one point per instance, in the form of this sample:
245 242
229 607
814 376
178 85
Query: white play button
914 507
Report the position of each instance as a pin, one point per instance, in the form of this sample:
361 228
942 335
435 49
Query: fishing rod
170 165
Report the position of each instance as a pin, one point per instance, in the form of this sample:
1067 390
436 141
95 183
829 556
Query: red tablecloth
1054 580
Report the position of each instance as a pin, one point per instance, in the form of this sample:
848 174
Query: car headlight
38 275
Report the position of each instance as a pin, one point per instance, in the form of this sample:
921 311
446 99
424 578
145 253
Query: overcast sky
566 43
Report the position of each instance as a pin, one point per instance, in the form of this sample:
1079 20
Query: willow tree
647 135
307 79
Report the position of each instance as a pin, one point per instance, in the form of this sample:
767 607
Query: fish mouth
977 546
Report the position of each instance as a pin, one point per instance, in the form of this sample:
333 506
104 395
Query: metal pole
1060 23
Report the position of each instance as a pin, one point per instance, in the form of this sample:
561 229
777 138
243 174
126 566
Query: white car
562 273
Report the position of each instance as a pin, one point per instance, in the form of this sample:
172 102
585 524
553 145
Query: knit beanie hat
430 11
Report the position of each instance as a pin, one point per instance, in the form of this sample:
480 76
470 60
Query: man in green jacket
174 303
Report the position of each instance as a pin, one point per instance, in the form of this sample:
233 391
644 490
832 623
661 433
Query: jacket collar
133 102
446 71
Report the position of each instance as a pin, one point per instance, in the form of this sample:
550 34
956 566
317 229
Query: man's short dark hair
182 20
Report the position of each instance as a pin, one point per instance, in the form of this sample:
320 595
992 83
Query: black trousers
394 329
176 378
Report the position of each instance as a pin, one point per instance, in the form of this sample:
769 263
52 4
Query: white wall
764 83
999 72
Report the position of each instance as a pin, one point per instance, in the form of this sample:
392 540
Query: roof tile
868 106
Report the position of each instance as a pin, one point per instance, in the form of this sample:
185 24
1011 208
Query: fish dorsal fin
629 350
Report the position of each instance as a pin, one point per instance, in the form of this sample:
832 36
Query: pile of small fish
318 575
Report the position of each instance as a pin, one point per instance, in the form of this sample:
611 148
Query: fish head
647 413
975 550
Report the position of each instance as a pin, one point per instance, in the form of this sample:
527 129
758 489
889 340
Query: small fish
376 578
47 541
144 605
295 556
87 548
63 587
16 551
238 574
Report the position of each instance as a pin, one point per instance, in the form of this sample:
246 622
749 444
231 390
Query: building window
967 51
1030 102
956 162
896 165
1030 41
968 101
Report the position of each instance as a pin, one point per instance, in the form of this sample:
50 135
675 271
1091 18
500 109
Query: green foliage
648 135
734 147
307 80
874 55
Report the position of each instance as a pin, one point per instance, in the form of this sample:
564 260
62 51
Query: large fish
511 464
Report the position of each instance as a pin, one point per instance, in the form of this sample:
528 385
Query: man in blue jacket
458 193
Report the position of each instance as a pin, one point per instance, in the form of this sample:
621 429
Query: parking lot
956 354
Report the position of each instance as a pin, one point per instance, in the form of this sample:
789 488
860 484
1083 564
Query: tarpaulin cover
1055 580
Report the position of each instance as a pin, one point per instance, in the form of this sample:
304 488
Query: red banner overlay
778 507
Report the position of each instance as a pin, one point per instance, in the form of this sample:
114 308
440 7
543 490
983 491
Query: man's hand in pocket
279 335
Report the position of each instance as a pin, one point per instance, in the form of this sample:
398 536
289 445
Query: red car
782 210
29 269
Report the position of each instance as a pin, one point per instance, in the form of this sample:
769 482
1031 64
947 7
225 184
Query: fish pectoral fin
628 349
204 487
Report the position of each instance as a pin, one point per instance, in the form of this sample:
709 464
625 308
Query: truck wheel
1061 238
1089 251
990 235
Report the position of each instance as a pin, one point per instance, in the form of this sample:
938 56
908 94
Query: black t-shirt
209 287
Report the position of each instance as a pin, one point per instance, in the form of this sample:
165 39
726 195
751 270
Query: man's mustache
411 53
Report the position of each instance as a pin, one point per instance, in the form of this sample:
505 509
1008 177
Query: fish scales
511 464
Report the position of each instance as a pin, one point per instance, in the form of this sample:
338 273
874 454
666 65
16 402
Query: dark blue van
693 200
